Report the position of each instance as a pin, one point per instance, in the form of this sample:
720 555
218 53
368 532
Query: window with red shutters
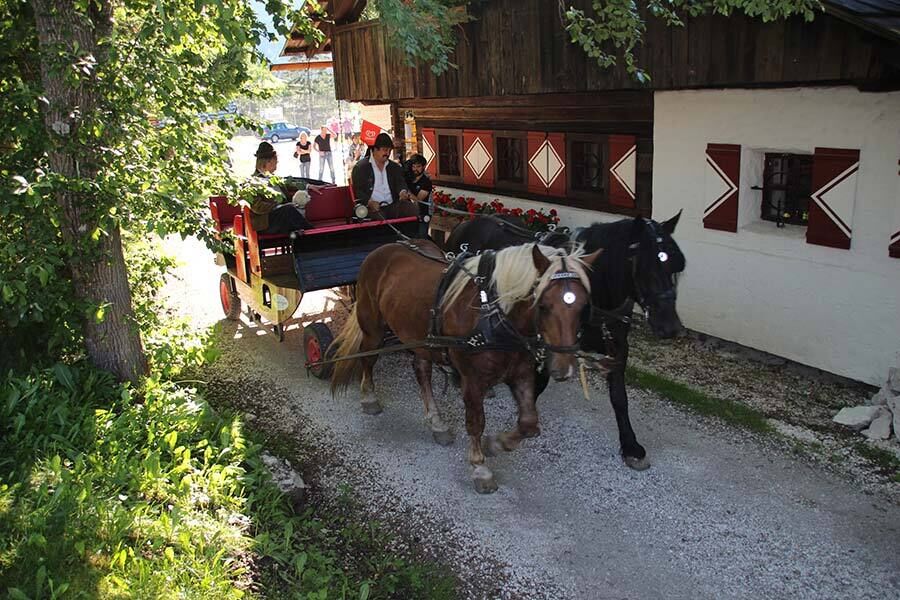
510 153
449 156
786 188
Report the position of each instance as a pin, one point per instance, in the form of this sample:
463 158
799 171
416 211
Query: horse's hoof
490 393
484 480
532 433
638 464
443 438
371 408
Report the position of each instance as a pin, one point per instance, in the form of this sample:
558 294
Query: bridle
605 318
564 275
662 256
493 331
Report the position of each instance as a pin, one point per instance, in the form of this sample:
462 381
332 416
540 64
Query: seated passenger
273 212
418 183
379 184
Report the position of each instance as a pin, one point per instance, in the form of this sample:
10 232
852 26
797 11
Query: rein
518 230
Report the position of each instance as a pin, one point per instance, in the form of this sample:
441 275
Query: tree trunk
67 35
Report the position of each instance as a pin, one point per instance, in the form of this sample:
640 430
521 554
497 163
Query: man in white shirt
379 183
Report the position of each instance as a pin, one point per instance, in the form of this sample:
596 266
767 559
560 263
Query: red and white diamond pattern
478 158
625 170
837 196
427 152
719 187
546 163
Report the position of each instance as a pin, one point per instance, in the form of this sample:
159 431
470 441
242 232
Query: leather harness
493 331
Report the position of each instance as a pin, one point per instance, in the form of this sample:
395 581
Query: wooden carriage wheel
231 302
316 341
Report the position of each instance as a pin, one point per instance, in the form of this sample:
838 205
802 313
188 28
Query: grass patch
362 548
730 412
883 459
111 492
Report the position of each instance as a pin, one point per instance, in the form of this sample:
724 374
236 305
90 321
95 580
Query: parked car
283 131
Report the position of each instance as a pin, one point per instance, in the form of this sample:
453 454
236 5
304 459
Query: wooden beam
303 66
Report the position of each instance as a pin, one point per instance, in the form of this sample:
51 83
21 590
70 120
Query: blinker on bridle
565 275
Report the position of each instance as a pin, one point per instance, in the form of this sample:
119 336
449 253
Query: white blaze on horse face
663 257
569 298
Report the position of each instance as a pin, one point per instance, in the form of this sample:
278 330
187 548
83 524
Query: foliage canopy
135 77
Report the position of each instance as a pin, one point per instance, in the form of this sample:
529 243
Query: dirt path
720 514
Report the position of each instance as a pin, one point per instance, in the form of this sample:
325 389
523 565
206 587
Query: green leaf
64 376
171 439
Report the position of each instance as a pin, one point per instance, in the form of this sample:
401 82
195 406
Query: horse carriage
269 274
514 312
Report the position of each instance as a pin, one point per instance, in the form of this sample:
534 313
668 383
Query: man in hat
268 215
378 183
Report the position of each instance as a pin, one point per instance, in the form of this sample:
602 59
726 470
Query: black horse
640 263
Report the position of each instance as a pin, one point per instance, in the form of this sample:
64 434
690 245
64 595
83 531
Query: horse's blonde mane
515 276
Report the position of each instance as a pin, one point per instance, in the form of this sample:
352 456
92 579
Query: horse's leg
473 397
439 430
372 327
368 401
521 384
541 379
633 453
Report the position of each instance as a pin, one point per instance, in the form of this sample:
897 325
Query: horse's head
656 261
562 293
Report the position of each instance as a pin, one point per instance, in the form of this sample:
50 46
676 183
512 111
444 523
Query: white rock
880 429
285 477
881 397
894 406
857 417
893 381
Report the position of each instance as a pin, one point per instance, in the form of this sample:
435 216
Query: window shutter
894 248
547 163
723 174
833 197
623 170
429 151
478 158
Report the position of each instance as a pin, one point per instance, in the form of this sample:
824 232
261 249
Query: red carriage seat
222 212
331 205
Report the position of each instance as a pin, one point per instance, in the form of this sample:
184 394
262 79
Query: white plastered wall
764 287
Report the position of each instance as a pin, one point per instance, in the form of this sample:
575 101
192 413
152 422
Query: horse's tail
346 343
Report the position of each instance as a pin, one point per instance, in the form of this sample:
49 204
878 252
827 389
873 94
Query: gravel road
721 513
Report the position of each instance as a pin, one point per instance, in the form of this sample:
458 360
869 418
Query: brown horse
540 292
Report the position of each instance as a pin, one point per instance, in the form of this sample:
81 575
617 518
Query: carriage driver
378 183
274 216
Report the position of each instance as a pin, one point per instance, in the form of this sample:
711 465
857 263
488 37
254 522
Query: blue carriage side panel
323 260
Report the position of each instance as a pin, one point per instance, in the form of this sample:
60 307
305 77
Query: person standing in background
323 147
355 151
303 151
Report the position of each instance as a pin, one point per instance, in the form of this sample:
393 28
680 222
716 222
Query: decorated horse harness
493 331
